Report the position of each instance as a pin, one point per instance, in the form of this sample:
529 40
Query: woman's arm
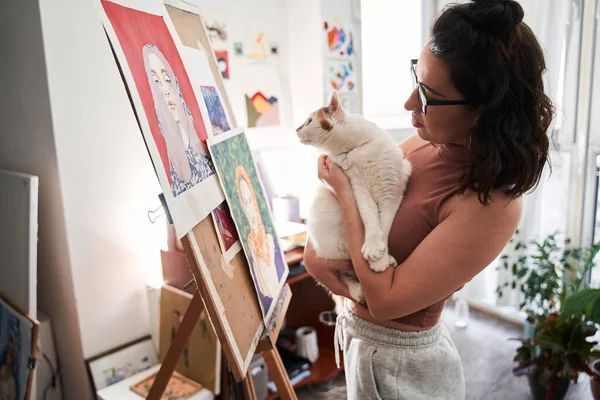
326 271
468 239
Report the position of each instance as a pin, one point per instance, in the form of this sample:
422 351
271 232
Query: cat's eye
309 120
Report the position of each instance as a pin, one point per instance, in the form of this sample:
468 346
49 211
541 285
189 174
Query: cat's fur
378 173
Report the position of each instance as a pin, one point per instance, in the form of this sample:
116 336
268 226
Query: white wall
107 180
28 146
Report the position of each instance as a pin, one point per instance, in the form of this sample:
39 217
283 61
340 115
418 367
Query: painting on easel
172 124
247 200
18 340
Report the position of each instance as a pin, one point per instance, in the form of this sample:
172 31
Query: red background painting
134 29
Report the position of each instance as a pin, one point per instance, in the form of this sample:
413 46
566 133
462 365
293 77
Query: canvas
17 333
218 117
173 126
178 387
122 362
201 357
247 201
226 231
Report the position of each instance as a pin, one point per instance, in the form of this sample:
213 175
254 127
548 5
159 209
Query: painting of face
250 211
165 84
247 201
171 120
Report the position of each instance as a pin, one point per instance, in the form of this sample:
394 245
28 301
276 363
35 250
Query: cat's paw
392 262
374 248
356 292
345 164
380 265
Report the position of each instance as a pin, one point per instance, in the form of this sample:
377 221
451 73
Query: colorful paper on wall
338 39
340 75
262 96
250 211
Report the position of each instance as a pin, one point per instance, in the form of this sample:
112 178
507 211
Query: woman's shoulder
412 143
502 210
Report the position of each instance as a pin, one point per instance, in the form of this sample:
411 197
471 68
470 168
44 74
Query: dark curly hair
496 62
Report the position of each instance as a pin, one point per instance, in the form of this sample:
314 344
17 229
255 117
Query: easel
202 299
266 347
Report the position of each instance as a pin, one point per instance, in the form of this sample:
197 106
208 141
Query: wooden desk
309 299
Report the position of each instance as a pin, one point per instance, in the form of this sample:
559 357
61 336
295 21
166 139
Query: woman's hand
333 176
326 271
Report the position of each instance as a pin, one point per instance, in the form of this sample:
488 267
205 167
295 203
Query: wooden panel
18 239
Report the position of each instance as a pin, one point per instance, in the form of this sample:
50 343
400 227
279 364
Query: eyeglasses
424 101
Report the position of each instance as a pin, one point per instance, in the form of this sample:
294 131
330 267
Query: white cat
378 173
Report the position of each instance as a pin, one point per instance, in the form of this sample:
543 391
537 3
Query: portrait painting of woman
160 84
189 162
244 192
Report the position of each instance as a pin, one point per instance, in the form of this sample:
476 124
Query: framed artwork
201 357
18 339
122 362
169 115
229 239
250 211
178 388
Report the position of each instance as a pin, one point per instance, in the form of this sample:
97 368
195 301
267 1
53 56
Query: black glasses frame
425 101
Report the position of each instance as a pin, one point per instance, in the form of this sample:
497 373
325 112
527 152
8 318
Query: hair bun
494 16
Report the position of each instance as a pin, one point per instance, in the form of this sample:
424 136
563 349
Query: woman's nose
412 103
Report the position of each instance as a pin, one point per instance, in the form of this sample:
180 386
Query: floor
486 353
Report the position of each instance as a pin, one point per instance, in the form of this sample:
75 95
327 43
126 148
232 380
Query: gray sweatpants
384 363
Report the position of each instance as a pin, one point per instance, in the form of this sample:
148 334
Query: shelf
298 278
323 370
294 256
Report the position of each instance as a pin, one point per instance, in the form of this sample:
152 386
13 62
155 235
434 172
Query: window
391 35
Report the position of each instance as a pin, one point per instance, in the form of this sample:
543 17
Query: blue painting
15 350
218 118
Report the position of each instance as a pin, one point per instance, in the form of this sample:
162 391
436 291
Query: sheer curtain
545 209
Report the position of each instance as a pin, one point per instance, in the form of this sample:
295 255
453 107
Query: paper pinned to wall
340 75
262 96
338 38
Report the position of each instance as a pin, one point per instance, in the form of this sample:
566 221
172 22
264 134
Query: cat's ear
335 107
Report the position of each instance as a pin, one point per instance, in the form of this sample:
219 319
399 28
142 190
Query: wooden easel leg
249 390
279 375
190 319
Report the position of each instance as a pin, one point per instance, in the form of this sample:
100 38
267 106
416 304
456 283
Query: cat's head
332 128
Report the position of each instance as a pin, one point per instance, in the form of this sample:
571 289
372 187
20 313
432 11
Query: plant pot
595 380
528 329
539 392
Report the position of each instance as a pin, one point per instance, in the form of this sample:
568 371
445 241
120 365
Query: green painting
247 201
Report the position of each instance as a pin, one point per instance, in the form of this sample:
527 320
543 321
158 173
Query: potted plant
560 312
587 302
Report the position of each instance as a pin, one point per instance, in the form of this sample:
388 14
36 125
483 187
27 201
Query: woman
482 117
265 259
189 162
